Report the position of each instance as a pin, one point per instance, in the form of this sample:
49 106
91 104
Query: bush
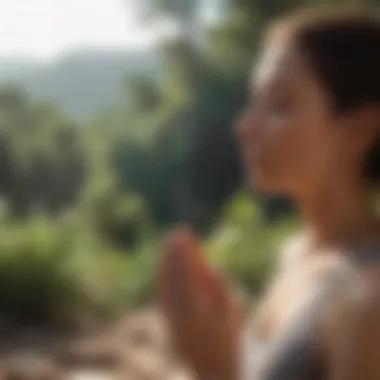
56 272
37 283
243 247
117 218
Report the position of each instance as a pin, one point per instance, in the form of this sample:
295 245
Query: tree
42 160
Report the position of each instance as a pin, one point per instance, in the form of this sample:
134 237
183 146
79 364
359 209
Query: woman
312 132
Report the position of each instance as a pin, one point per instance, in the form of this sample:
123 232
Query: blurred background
116 124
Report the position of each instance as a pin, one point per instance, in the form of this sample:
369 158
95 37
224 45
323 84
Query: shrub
54 272
37 283
243 247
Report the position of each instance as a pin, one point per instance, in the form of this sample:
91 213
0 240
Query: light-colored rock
30 368
179 374
146 363
135 348
95 352
90 375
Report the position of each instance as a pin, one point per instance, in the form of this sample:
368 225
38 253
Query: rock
93 353
179 374
31 369
90 375
145 363
135 348
141 329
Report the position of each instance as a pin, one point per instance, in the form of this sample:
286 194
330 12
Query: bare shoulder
360 293
361 298
352 333
354 311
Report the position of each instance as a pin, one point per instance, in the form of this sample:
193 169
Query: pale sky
44 29
47 28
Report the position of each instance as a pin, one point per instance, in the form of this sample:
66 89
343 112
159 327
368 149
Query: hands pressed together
204 315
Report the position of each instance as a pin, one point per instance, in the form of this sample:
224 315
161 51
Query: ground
134 348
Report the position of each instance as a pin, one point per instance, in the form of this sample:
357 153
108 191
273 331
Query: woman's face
291 141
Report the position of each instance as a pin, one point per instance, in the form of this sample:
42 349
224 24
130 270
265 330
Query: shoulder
359 295
360 300
352 335
354 312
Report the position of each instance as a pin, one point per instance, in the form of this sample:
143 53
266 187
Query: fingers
175 284
189 247
213 289
185 282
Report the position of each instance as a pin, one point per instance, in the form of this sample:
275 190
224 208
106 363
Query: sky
45 29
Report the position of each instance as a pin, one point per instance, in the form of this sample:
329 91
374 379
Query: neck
340 215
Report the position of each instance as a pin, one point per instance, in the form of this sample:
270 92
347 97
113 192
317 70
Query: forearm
226 367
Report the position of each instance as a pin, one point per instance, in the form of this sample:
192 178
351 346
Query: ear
365 127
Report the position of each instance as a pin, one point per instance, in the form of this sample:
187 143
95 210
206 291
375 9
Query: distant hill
81 82
14 65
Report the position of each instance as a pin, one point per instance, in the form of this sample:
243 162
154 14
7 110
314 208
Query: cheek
281 147
293 150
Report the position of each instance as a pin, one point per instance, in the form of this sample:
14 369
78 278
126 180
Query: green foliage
42 158
37 283
53 273
245 248
143 93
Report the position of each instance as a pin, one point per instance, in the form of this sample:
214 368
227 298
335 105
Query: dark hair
343 47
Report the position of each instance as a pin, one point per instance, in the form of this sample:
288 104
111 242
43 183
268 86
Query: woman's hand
203 314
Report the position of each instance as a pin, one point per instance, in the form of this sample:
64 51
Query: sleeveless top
289 356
